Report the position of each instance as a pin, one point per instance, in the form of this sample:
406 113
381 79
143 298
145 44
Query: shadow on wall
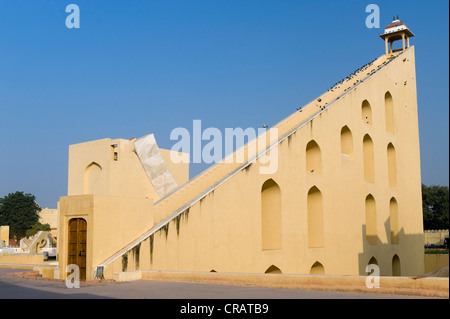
401 255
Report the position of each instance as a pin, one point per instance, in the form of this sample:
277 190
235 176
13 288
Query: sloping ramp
181 198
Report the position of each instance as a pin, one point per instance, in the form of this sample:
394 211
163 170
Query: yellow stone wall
121 177
435 262
335 201
20 260
4 234
223 231
112 222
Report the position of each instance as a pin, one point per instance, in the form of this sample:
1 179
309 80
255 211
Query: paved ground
18 288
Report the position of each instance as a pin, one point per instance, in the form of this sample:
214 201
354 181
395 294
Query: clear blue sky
140 67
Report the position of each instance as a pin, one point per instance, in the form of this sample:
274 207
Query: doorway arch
77 242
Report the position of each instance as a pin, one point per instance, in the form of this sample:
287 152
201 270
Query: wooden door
77 245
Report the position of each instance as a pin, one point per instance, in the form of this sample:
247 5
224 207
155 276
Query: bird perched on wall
265 126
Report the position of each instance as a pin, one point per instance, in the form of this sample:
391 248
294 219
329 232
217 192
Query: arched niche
271 215
313 157
371 220
396 267
91 177
393 221
315 217
368 157
392 165
317 269
273 270
346 141
389 112
366 112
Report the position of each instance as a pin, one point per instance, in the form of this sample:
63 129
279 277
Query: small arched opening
317 269
273 270
271 215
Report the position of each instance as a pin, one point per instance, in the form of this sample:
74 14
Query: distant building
435 237
50 216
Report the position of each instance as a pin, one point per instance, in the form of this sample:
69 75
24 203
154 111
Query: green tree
435 201
20 212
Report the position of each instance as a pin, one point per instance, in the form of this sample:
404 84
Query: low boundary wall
21 259
414 286
435 262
